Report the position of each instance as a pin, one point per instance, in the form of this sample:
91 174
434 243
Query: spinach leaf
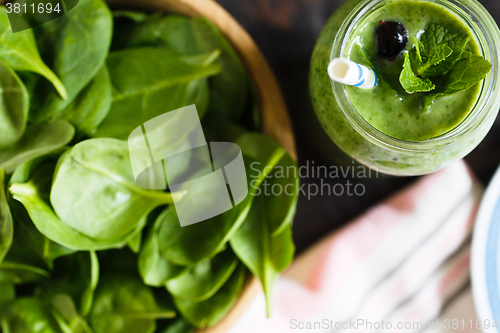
75 47
154 269
141 79
66 315
209 312
14 105
38 140
7 294
179 325
91 105
131 15
32 239
124 304
172 32
135 243
35 198
21 263
264 254
6 225
25 170
20 51
94 191
19 273
204 279
228 91
212 124
29 315
281 185
88 293
118 261
210 235
76 276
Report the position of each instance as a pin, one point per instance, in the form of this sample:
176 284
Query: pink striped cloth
401 267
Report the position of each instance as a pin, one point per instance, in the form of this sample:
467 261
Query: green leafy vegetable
412 83
204 279
179 325
34 196
211 235
7 294
66 315
425 61
441 55
154 269
29 315
20 51
172 32
124 304
38 140
281 185
130 14
81 240
32 239
88 294
229 89
438 50
14 105
139 89
135 243
264 254
75 276
6 226
91 106
468 71
19 273
113 205
75 47
211 311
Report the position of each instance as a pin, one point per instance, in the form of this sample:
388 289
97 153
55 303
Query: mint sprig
439 50
439 65
412 83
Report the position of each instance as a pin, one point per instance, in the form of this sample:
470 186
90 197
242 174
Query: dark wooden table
286 31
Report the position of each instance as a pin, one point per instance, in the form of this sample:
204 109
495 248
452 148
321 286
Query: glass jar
369 146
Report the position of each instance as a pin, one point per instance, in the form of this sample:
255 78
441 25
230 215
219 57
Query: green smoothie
416 120
388 107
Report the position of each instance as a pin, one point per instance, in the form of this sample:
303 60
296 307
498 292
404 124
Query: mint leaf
468 71
412 83
427 101
424 60
439 54
438 41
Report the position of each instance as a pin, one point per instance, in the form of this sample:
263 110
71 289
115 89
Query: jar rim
486 32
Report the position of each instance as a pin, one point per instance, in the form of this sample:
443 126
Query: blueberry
391 39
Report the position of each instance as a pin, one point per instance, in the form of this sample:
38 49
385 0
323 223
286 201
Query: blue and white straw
348 72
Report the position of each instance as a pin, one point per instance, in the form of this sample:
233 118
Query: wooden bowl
275 119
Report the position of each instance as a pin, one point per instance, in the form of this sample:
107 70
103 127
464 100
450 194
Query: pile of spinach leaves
82 247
